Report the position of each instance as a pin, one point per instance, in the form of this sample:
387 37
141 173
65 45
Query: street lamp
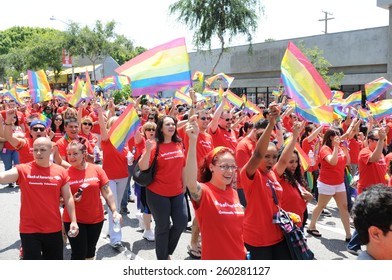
21 75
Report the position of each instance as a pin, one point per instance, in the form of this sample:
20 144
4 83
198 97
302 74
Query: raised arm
262 144
101 121
190 172
213 126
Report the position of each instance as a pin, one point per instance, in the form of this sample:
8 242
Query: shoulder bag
146 177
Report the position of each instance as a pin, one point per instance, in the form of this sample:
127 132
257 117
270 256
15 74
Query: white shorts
330 189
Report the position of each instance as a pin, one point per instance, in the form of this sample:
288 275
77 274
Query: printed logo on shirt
206 144
172 155
229 209
83 182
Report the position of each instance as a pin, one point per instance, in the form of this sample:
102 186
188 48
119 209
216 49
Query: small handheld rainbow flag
38 86
353 99
301 80
183 98
59 94
377 87
200 77
234 99
381 109
220 77
124 128
12 93
161 68
45 119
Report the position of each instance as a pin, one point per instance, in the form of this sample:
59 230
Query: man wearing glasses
372 169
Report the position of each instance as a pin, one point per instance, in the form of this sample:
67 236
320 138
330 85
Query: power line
326 19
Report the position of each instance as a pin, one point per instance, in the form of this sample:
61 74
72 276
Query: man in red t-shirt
220 127
72 128
372 170
41 185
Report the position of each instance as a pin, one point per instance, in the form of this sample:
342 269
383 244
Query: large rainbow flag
353 99
38 86
161 68
320 115
301 80
124 128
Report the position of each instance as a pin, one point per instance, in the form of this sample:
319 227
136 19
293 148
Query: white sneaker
139 216
149 235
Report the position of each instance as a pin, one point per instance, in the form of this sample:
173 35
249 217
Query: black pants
85 243
42 246
163 210
278 251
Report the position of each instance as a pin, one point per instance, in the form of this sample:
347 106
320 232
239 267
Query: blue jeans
9 158
355 243
127 192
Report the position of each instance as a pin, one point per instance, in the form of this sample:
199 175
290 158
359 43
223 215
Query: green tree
95 43
316 57
224 19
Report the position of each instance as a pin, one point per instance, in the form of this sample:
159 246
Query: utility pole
326 19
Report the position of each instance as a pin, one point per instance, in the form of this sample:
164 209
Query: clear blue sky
148 24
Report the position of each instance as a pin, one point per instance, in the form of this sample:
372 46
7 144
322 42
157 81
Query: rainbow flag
256 118
301 80
234 99
12 94
320 115
20 88
76 96
377 87
60 94
353 99
38 86
182 98
200 77
337 94
310 179
381 109
88 90
277 92
121 81
210 92
363 114
107 83
45 119
161 68
124 128
220 77
250 106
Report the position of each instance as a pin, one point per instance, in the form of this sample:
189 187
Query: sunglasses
228 119
150 129
89 124
205 118
58 119
36 129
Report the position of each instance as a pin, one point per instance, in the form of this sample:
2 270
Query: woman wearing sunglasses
57 127
85 130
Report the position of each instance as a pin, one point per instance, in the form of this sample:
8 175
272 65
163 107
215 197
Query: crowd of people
235 172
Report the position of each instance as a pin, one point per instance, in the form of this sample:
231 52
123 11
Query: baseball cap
35 122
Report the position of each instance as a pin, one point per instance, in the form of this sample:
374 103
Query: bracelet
193 106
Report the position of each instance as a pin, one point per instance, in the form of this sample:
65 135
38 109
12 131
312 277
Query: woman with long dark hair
165 195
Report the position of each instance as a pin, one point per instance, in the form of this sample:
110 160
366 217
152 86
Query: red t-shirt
20 115
355 146
114 162
243 153
286 121
170 163
223 137
57 135
26 151
203 146
92 139
89 209
96 128
62 145
292 200
313 145
332 174
220 214
40 197
370 172
258 227
388 158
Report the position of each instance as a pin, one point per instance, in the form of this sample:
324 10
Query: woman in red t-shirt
87 182
333 160
263 238
57 127
289 174
165 195
86 125
219 212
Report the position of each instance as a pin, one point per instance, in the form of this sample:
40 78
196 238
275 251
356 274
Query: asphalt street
331 246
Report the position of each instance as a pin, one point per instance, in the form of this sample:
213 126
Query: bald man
41 184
